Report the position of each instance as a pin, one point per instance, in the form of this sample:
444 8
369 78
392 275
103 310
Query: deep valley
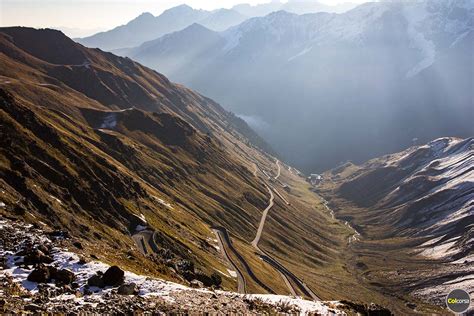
124 192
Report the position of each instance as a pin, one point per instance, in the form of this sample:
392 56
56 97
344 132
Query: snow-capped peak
429 27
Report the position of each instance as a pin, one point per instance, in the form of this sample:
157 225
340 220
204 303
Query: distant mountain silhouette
147 27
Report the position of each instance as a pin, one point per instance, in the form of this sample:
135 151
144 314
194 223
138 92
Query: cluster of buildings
315 179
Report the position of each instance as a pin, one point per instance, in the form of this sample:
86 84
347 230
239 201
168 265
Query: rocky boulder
44 274
365 309
64 276
36 256
128 289
114 276
96 280
40 274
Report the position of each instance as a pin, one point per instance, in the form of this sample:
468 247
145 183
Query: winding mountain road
279 170
281 196
145 241
262 220
225 239
286 275
241 285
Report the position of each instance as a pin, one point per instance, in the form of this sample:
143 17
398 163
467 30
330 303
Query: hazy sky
83 17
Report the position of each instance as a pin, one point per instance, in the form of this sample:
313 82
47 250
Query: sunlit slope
82 152
100 146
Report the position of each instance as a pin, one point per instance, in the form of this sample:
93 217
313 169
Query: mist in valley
335 87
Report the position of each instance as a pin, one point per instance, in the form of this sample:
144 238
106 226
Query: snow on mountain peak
275 26
425 19
428 24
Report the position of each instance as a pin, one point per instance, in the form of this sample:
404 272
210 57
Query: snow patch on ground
110 121
232 273
140 228
464 260
163 202
440 185
431 242
148 287
142 217
305 306
439 251
56 199
437 294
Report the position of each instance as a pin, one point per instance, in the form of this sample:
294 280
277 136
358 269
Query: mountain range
373 78
123 169
138 172
148 27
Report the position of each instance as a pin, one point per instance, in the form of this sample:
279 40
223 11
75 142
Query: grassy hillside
99 146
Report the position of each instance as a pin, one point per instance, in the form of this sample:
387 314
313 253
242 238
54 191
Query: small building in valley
315 179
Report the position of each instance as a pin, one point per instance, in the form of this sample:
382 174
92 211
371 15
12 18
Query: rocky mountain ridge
147 27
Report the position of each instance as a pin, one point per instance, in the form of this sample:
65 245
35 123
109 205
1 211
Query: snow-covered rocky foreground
27 251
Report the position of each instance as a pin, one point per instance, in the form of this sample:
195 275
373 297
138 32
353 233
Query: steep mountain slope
418 202
79 152
109 82
147 27
130 169
172 50
428 190
382 66
146 174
